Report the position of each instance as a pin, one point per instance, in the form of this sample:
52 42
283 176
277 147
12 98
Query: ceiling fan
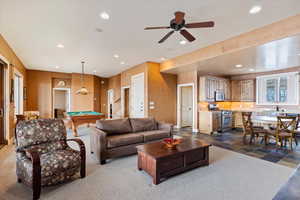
178 24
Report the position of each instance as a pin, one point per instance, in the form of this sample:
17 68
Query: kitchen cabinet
243 90
209 121
209 84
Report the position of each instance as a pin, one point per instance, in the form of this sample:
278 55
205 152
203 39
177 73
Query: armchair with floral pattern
43 156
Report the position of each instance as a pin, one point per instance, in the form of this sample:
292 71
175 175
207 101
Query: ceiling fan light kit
178 24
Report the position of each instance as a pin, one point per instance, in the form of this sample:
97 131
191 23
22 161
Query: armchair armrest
82 154
36 170
98 139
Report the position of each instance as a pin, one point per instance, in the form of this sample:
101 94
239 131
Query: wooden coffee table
160 162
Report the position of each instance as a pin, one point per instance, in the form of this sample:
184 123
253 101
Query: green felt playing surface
84 113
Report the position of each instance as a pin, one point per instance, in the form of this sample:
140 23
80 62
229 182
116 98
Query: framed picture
12 88
25 93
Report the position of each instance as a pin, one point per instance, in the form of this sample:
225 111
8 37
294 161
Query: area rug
230 176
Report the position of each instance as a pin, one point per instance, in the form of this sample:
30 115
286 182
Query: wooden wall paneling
39 92
114 83
97 93
7 53
103 95
82 102
162 90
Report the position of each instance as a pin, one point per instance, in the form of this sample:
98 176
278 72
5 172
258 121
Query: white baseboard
195 130
176 126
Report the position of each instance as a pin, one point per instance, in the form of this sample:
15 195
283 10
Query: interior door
186 106
2 135
138 96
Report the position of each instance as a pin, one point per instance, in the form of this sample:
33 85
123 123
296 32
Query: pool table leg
75 134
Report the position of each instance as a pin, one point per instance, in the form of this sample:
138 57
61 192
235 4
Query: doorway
138 96
110 102
61 102
18 93
185 106
2 96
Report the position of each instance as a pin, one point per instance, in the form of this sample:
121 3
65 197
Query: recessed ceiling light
255 9
298 54
182 42
251 70
94 71
116 56
162 59
122 63
239 66
104 15
56 67
60 46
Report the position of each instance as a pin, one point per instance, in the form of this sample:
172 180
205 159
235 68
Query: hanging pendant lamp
82 90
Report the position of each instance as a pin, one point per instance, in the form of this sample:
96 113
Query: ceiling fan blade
187 35
179 17
166 37
158 27
200 25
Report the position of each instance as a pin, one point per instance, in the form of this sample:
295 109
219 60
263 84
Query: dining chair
285 131
252 131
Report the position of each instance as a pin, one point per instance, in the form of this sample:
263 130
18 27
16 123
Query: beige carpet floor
230 176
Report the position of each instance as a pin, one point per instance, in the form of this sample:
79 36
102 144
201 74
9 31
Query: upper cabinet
209 84
243 90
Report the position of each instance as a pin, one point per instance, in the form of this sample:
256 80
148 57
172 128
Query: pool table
83 117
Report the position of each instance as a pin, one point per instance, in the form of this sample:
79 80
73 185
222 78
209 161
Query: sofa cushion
155 135
114 127
123 140
143 124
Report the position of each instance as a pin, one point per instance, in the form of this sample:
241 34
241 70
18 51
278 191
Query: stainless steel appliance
219 95
226 120
213 106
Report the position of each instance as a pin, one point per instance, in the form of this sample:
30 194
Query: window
279 89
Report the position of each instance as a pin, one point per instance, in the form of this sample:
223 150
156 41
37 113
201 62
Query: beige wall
16 64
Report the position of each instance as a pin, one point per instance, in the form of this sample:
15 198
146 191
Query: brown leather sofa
115 138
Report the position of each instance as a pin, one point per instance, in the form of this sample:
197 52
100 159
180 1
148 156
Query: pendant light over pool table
82 90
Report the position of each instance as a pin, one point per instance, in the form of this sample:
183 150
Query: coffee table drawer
195 155
171 163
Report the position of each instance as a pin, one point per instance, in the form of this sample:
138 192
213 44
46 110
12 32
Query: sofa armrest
165 126
98 143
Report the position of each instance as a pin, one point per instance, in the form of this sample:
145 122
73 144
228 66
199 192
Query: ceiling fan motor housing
175 26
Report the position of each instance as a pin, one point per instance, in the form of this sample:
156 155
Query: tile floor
233 140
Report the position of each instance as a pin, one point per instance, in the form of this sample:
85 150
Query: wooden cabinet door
247 90
235 90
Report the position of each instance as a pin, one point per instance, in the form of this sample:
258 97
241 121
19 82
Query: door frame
6 109
179 86
123 100
132 93
112 105
17 72
53 101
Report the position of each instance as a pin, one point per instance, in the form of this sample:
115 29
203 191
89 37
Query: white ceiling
275 55
34 27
